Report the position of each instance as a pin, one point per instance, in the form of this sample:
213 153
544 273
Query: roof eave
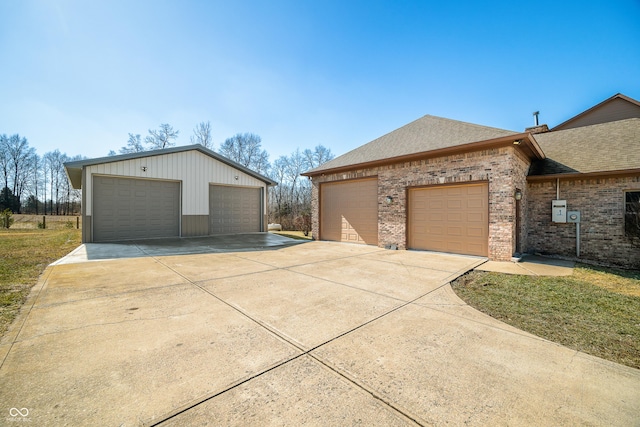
74 174
527 144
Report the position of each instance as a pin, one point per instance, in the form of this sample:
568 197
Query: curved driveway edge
319 334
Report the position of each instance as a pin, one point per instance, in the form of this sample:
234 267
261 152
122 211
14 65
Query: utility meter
559 210
573 216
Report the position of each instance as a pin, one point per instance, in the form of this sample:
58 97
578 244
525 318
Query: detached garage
175 192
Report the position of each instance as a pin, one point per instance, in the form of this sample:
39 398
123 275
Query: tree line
36 184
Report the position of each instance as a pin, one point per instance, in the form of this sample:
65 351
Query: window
632 214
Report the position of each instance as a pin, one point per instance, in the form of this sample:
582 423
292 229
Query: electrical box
573 216
559 211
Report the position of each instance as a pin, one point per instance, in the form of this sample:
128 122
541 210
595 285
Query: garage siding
451 219
195 170
349 211
234 209
128 208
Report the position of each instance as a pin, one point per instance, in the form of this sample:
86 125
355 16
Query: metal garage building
174 192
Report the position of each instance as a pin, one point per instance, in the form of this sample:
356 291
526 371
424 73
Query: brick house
444 185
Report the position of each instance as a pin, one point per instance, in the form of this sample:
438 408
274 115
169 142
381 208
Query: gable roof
424 135
597 149
74 168
618 107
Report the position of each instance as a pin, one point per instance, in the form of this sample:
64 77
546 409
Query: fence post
77 223
44 222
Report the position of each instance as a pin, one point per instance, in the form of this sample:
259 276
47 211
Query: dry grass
594 311
625 282
25 255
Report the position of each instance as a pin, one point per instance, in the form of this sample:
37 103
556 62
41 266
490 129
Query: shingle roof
606 147
428 133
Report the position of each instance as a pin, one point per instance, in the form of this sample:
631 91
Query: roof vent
537 128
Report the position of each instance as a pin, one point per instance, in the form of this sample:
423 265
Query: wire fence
55 222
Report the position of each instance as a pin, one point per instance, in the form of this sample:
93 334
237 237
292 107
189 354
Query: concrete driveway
319 334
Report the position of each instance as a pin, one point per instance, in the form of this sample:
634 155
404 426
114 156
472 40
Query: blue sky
80 75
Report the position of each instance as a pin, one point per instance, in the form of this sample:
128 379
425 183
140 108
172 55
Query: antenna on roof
535 117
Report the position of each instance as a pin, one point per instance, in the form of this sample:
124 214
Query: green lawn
596 310
24 256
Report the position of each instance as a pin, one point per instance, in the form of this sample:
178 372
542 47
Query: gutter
580 175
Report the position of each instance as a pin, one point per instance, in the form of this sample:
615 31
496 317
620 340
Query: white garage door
349 211
234 209
450 219
130 208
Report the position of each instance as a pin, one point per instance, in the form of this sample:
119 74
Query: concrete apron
318 334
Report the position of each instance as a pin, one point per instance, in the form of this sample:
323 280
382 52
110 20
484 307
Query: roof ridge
470 123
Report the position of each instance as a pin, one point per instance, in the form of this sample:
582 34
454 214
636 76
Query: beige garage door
131 208
234 209
349 211
450 219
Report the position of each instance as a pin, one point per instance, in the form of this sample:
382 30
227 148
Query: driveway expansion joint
304 352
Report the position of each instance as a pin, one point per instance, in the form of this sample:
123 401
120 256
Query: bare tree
278 202
291 199
4 159
246 149
318 156
35 180
19 157
202 135
54 160
162 137
134 145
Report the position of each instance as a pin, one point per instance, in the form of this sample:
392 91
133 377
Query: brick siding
601 205
504 168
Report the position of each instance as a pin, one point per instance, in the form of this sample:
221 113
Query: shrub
303 223
7 219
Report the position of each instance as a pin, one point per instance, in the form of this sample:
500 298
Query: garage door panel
234 209
133 208
475 190
454 204
454 231
457 220
475 231
349 211
475 203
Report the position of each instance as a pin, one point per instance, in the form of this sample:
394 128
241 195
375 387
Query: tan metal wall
194 169
450 219
349 211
